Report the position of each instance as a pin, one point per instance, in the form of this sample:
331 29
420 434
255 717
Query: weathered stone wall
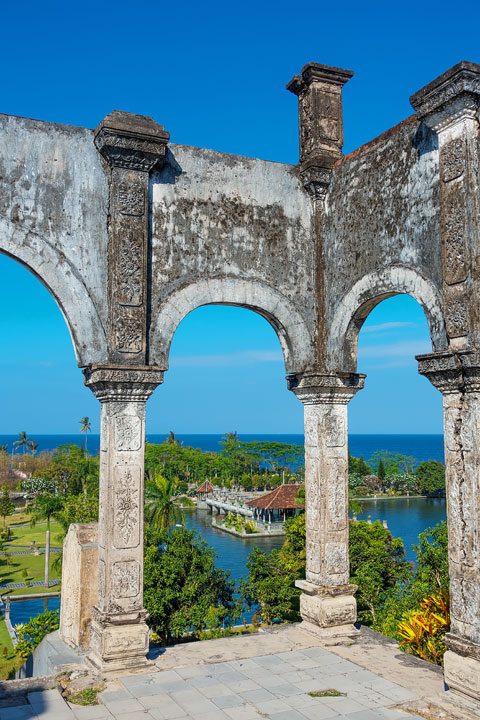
53 219
229 229
381 235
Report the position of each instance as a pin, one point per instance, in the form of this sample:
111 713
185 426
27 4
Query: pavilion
277 505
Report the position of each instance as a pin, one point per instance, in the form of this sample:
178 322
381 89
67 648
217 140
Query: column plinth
327 598
119 633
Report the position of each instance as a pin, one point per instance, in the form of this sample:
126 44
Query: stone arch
291 328
360 300
66 286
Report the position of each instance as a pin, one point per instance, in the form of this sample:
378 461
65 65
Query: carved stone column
449 106
327 599
319 92
133 146
457 376
119 636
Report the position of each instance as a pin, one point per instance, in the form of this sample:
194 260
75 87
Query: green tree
381 472
182 584
78 509
377 564
7 506
44 507
358 466
72 471
270 585
430 478
22 441
33 446
85 428
161 509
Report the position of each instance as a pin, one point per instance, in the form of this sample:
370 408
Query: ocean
421 447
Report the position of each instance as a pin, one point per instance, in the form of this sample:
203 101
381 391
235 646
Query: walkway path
259 677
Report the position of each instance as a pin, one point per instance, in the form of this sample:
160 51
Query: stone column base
117 646
462 671
334 608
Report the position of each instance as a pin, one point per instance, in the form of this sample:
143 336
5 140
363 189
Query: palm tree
44 507
23 441
33 445
85 427
160 508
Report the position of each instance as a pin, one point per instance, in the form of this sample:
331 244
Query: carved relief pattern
129 334
453 226
457 317
131 198
130 263
453 159
334 428
126 578
336 492
128 433
126 506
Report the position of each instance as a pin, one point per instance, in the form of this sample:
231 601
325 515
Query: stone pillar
457 376
449 106
119 637
80 579
319 92
327 598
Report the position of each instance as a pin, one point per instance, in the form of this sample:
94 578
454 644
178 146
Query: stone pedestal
80 583
119 631
327 598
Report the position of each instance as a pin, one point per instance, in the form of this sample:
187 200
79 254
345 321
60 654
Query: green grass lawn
25 534
8 660
13 573
34 564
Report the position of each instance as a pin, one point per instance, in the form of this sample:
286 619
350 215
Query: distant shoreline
398 497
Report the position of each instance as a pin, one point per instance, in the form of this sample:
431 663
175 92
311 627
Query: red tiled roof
205 487
282 498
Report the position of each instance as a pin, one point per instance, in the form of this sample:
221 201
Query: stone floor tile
225 701
256 696
111 695
167 712
123 706
192 671
215 690
272 663
20 712
285 690
231 677
318 653
319 712
193 702
166 707
245 685
54 712
90 712
344 705
245 712
269 707
289 714
44 696
211 715
135 715
290 677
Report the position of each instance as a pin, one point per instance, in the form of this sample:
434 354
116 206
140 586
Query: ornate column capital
314 388
453 96
319 92
117 383
132 142
452 372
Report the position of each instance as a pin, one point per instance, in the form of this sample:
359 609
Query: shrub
31 634
422 631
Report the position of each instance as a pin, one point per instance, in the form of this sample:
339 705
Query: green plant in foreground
31 634
88 696
330 692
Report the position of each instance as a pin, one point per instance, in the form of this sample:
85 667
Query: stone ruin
130 233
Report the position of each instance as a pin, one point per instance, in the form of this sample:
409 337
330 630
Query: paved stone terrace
257 677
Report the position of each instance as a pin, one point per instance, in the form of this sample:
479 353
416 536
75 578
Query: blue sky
214 74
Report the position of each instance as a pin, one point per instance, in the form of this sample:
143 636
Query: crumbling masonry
131 233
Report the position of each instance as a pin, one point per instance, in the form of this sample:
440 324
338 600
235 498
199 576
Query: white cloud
246 357
407 348
383 327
